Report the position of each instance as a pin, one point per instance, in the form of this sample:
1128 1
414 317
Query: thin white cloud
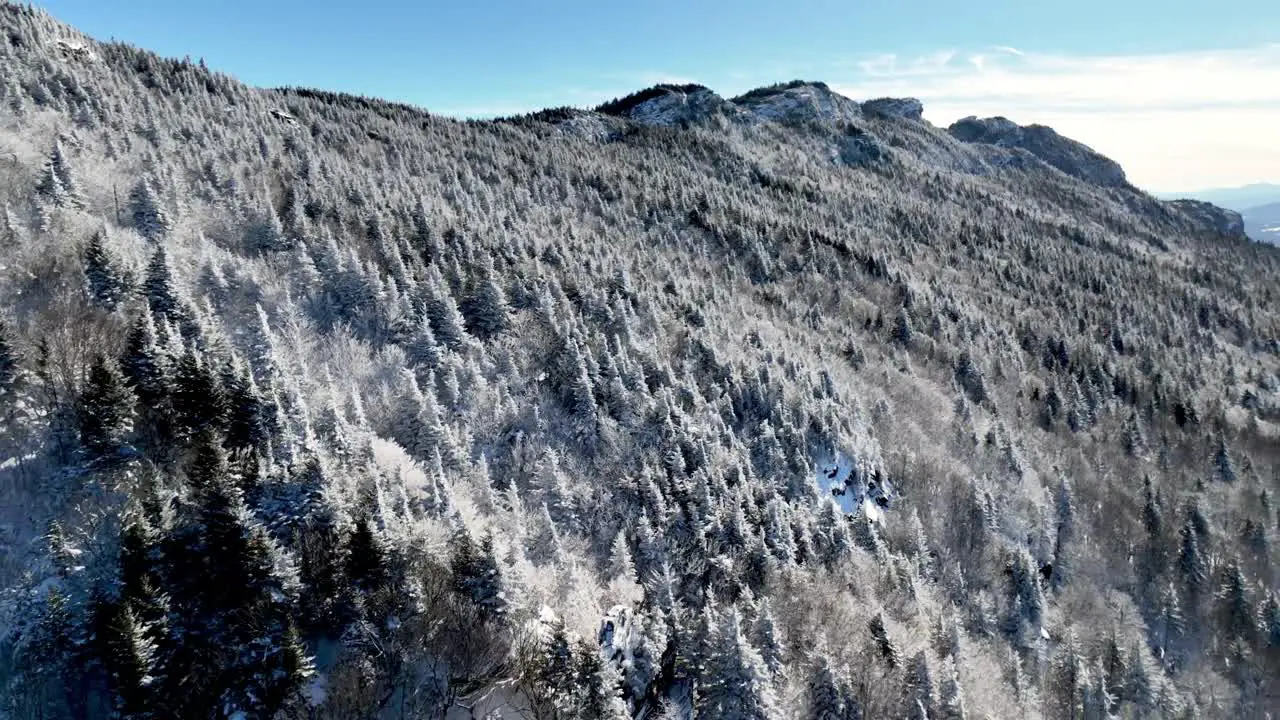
1175 121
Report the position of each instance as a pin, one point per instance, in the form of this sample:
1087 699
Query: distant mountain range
1263 222
1239 199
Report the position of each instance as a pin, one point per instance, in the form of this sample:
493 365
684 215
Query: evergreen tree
1135 441
57 185
764 635
1270 621
970 376
1142 681
552 486
1169 624
199 399
10 370
267 233
735 683
486 310
1153 521
599 686
422 349
107 282
620 564
828 697
147 369
888 649
1063 549
476 576
367 567
1068 678
1222 460
146 212
951 704
158 288
208 467
1191 561
918 690
132 664
55 658
245 410
1235 609
555 671
544 546
902 330
579 396
650 554
440 308
105 413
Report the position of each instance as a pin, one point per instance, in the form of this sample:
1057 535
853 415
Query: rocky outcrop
670 105
1211 218
858 148
905 108
798 101
1069 156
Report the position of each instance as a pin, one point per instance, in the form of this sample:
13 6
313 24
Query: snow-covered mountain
785 406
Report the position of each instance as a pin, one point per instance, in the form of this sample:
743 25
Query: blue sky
1184 93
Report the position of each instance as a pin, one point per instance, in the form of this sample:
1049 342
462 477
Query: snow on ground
857 490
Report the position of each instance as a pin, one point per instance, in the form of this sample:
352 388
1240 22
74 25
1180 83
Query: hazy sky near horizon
1185 94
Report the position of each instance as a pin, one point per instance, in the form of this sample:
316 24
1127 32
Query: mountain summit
780 406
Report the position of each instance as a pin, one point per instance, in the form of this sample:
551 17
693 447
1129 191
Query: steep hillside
314 405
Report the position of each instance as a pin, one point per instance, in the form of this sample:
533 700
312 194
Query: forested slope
318 406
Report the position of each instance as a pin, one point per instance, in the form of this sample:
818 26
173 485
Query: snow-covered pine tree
951 704
441 309
199 400
827 696
133 665
147 213
620 565
1064 550
735 683
57 184
1222 462
765 637
476 575
10 369
158 289
918 685
486 310
107 281
599 686
105 414
887 647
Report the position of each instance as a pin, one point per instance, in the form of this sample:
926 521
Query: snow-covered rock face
591 126
679 107
1213 218
860 149
799 102
1071 157
905 108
